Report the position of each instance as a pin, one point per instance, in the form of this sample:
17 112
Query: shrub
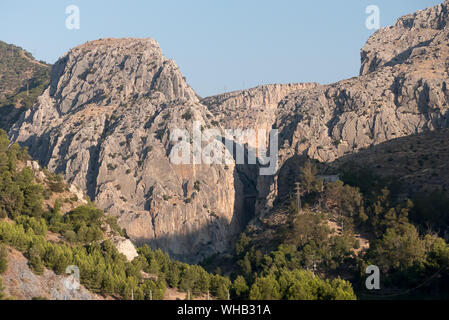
187 115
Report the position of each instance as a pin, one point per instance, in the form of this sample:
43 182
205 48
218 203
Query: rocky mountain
393 45
402 91
253 108
22 80
105 123
106 119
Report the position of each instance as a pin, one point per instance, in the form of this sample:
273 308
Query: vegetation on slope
22 80
25 225
322 233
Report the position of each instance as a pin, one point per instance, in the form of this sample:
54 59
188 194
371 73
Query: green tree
245 265
239 287
304 285
3 259
242 244
220 287
346 203
308 178
265 288
1 289
399 249
309 227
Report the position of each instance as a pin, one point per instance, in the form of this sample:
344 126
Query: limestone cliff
21 283
402 90
105 123
252 108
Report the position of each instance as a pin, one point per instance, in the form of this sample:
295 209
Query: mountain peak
394 44
111 71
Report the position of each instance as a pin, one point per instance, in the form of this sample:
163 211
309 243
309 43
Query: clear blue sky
219 45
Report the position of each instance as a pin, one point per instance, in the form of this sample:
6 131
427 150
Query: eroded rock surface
402 90
105 123
106 119
21 283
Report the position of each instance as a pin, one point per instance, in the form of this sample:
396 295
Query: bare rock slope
21 283
105 123
402 90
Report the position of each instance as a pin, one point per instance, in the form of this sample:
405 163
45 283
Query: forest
406 241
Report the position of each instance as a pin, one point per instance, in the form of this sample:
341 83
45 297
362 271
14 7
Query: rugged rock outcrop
105 123
392 99
252 108
402 90
125 247
106 120
21 283
394 44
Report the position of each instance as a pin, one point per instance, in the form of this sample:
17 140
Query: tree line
103 269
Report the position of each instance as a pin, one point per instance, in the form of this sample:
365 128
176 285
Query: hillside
19 282
419 162
105 123
394 100
383 133
47 225
22 80
360 179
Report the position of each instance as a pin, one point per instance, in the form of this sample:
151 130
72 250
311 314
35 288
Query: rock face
105 123
21 283
394 44
402 90
253 108
106 119
397 95
125 247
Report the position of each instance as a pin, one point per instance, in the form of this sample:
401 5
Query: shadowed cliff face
402 90
105 123
395 97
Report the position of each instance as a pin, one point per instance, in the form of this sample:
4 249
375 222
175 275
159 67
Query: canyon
106 118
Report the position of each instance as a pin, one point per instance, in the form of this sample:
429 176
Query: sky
219 45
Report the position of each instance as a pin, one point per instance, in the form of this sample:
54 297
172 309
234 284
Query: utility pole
208 297
229 296
151 294
311 266
132 293
188 294
298 196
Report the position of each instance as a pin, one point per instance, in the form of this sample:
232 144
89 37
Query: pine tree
3 259
240 287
